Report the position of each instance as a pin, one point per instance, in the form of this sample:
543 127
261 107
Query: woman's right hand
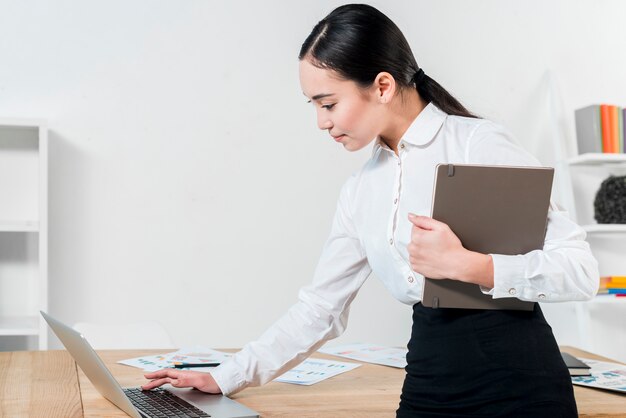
182 379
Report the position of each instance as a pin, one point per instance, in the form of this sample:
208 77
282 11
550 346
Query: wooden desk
48 384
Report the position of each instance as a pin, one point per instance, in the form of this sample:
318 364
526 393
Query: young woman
358 70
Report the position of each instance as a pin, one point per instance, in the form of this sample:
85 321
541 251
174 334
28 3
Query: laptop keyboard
159 403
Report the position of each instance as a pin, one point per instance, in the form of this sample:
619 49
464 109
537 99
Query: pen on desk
185 365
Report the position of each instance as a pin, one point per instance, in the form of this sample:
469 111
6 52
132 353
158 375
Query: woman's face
352 116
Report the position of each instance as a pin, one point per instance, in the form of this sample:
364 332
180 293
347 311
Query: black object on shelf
610 202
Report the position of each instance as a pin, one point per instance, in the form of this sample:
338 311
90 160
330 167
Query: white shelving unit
23 233
608 241
599 322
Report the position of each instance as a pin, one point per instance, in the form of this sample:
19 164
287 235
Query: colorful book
614 120
620 129
617 279
589 129
623 129
606 130
612 285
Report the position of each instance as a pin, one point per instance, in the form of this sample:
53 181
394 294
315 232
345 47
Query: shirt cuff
508 276
228 378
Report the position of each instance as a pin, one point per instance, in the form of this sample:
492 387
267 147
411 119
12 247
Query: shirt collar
423 129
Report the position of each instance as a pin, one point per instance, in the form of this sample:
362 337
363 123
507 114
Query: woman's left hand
437 253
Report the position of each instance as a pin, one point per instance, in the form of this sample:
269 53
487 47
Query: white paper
370 353
610 376
314 370
307 373
185 355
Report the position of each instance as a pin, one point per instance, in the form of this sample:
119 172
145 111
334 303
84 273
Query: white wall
188 180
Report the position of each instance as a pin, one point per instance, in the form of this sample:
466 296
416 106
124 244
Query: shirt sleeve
564 269
320 314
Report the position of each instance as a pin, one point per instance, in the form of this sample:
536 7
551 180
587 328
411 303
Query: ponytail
431 91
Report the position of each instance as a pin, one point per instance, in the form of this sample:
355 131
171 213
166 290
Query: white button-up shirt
371 231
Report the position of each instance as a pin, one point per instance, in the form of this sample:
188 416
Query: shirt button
512 291
391 241
401 145
410 279
398 162
395 201
541 296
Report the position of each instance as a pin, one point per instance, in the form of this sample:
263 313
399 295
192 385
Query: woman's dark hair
358 42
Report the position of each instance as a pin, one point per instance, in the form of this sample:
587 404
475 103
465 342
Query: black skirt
484 363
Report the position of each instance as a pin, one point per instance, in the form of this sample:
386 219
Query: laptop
139 403
493 210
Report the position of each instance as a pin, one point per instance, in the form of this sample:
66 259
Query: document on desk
195 355
604 375
370 353
315 370
308 372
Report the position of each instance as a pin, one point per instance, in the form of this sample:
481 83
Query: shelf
604 228
597 159
607 299
21 123
20 325
19 226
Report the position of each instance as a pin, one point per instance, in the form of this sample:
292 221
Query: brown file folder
493 210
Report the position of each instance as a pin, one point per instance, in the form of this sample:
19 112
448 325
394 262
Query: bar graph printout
370 353
604 375
315 370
